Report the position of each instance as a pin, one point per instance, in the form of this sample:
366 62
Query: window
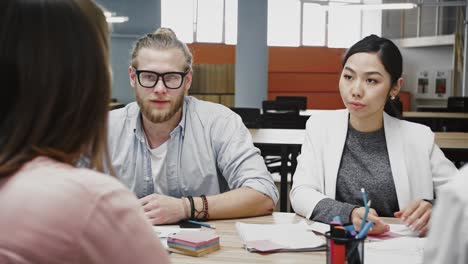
230 21
283 22
290 22
313 25
201 20
209 22
178 19
340 26
344 24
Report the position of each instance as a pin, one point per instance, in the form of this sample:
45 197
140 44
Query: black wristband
192 207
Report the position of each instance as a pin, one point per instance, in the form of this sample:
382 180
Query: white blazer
418 165
448 236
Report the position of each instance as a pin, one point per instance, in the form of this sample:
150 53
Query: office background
426 36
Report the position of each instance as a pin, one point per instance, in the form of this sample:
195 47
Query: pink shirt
51 212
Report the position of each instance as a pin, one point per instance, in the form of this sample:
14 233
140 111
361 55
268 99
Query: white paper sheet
292 237
399 250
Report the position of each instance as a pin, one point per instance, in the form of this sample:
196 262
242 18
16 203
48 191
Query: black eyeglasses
171 80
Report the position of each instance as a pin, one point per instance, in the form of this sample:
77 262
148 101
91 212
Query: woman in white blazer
395 161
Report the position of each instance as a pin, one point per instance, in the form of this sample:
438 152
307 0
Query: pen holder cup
343 250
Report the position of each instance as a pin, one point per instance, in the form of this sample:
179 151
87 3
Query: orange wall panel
296 71
405 100
212 53
303 82
304 59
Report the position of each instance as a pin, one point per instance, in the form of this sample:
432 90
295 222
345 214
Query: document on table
279 237
397 250
402 230
396 230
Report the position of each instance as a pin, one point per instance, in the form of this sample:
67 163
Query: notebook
194 239
279 237
194 243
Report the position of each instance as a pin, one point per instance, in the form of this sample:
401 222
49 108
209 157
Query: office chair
282 114
457 104
300 100
251 117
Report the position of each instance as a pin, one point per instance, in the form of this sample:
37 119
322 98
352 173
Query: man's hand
416 216
162 209
379 226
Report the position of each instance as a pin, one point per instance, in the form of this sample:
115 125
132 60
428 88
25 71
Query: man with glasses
183 157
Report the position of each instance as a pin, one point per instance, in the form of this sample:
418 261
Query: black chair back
457 104
250 116
301 101
282 114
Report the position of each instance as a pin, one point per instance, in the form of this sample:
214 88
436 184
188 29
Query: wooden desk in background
434 115
453 144
445 140
440 121
437 121
232 250
309 112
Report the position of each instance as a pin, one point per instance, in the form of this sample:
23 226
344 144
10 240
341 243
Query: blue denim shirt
209 152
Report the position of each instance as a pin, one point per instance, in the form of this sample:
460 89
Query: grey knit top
364 164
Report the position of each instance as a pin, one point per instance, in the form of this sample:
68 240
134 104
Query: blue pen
200 223
365 230
350 229
366 212
364 199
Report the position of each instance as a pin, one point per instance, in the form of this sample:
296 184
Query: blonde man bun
162 39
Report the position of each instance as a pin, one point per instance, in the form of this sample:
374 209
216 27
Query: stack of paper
193 243
279 237
398 250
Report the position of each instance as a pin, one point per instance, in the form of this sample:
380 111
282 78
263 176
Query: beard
160 115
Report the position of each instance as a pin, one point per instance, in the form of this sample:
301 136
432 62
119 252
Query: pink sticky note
194 238
384 236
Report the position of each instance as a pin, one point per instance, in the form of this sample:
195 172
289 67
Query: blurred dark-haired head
54 56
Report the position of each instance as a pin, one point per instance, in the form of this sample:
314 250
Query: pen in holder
344 249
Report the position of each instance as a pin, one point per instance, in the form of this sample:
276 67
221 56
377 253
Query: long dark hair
55 102
391 59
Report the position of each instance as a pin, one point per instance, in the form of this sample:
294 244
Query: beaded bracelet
205 207
202 214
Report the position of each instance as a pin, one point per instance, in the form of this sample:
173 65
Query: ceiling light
389 6
344 5
116 19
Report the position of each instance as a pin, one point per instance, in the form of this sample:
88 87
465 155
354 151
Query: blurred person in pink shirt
53 113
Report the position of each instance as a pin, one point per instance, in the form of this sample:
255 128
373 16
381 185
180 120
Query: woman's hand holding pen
379 226
416 216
